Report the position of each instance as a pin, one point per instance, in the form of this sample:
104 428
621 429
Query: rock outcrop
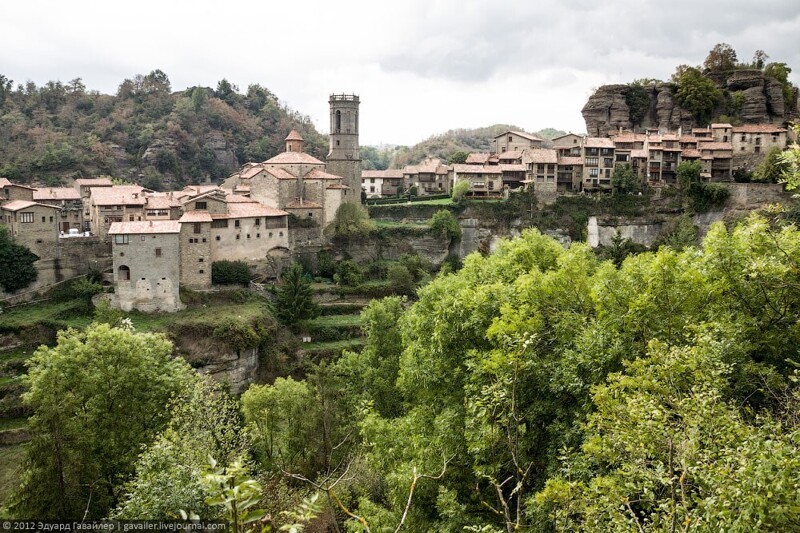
761 97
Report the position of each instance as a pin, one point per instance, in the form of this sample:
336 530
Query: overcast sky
421 67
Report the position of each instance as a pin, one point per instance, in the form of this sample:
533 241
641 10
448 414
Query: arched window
123 273
338 121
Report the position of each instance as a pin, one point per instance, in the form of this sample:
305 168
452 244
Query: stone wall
755 195
602 230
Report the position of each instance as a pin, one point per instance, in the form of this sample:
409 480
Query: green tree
624 179
230 273
771 167
638 101
351 221
458 157
204 422
460 190
98 396
16 264
401 279
294 300
721 57
445 225
780 71
696 93
791 161
348 273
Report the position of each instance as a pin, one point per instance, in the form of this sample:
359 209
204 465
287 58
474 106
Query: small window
121 239
248 235
311 214
258 222
204 240
123 273
217 237
236 223
237 237
258 235
200 260
39 241
158 252
280 234
44 219
143 237
270 235
26 217
202 271
201 205
197 227
51 219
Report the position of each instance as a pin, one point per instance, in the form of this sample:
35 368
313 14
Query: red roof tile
195 216
55 193
145 226
293 158
599 142
759 128
293 136
16 205
477 158
544 155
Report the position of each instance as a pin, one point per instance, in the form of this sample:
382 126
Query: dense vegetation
16 264
457 142
145 132
538 388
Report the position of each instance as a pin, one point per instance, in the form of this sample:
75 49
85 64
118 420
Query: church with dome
301 184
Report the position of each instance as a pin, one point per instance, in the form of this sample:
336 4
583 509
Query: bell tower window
338 121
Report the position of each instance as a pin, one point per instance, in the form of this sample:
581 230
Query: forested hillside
536 389
144 133
453 142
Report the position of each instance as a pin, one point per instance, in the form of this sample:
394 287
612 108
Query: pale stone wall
343 157
748 143
248 241
40 235
154 274
195 254
333 199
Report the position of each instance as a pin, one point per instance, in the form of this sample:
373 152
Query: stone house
428 177
717 158
484 180
33 225
69 202
119 203
510 141
382 183
598 163
13 191
758 138
542 167
146 265
569 145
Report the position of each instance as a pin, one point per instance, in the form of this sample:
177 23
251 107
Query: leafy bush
326 267
351 220
401 279
460 191
348 273
445 225
16 264
230 273
237 333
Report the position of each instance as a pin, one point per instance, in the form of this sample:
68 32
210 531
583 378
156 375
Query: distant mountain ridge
444 145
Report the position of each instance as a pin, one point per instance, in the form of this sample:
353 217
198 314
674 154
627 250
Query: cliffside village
577 163
160 241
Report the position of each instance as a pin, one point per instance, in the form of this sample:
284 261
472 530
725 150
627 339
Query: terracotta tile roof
759 128
195 216
16 205
4 182
544 155
145 226
118 195
638 154
721 125
388 173
477 158
669 137
565 136
628 137
238 199
251 210
55 193
200 189
317 174
94 182
303 204
241 188
701 130
281 174
599 142
293 136
249 172
477 169
715 146
512 168
689 139
569 160
690 153
521 134
161 202
510 155
293 158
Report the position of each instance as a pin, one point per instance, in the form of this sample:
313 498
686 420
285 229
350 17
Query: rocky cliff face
762 101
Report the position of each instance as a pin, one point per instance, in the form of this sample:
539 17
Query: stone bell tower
343 158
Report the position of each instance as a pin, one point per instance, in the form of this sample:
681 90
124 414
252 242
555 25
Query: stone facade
343 157
33 225
195 250
146 265
511 141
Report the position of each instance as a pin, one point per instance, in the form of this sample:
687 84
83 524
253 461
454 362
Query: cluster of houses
577 163
161 241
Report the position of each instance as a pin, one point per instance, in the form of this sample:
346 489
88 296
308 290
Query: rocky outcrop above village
760 100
